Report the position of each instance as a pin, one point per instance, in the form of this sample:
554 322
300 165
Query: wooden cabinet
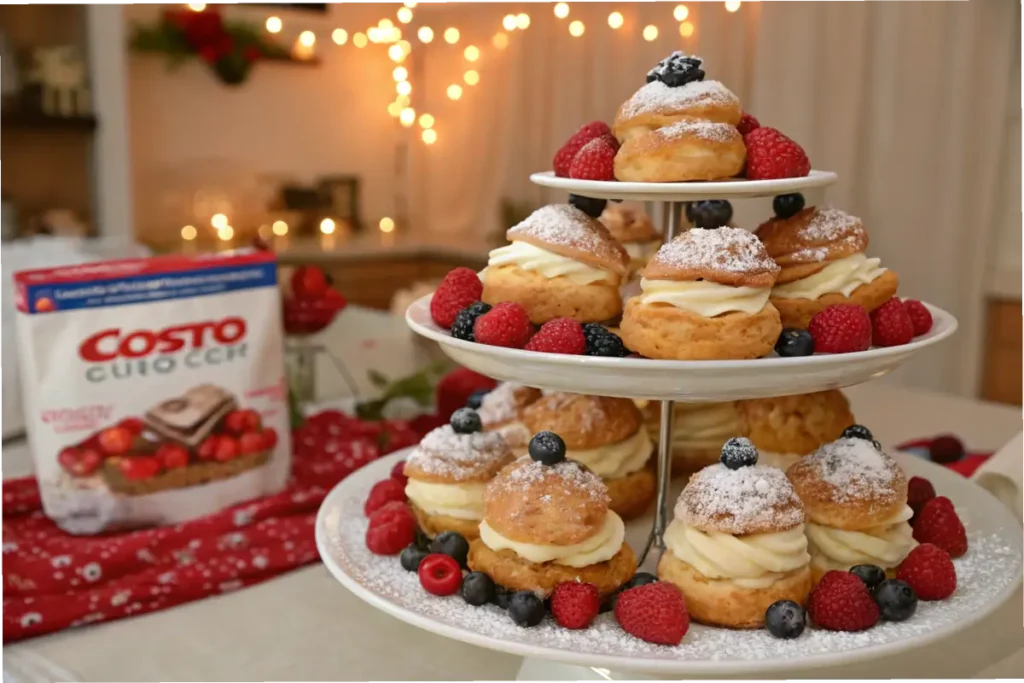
1003 349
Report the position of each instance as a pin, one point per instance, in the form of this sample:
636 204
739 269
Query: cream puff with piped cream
560 263
632 228
786 428
501 411
821 255
856 501
548 522
608 436
737 542
448 472
704 296
698 432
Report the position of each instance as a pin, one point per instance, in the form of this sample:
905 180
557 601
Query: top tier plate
684 192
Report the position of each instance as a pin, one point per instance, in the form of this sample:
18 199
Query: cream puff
704 296
737 542
545 524
561 263
608 436
786 428
501 410
856 501
448 472
821 255
699 430
633 229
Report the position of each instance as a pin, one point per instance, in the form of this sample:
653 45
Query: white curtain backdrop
907 101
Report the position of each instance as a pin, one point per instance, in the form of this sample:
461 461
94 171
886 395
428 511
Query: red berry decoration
133 424
459 288
565 155
382 493
596 161
392 528
269 438
561 335
139 467
655 612
440 574
747 123
208 448
507 324
398 472
454 389
172 456
771 155
841 328
946 449
79 462
938 524
575 605
919 492
890 324
227 449
250 443
920 316
842 602
929 571
308 282
115 440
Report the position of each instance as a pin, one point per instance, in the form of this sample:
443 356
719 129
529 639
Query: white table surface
305 626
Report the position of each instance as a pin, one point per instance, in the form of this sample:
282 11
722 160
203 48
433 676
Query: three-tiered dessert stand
603 650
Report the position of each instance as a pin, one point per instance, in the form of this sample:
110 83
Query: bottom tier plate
987 576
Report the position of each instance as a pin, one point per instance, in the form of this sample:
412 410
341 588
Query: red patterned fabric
53 581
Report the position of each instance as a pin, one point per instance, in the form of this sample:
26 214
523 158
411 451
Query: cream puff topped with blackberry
632 228
820 252
560 263
704 296
856 501
448 472
608 436
547 521
501 411
737 542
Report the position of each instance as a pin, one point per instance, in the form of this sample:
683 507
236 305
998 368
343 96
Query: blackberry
588 205
738 452
602 342
858 432
462 328
676 70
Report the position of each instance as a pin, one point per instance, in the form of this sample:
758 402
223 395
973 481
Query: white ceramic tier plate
676 380
987 576
738 188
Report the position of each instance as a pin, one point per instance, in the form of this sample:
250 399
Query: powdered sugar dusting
526 473
444 453
733 250
499 405
856 470
707 130
658 97
742 501
561 224
829 225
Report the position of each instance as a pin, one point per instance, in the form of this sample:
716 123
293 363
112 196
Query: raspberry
561 335
771 155
459 288
454 389
929 571
308 282
919 492
440 574
946 449
398 472
392 527
938 524
172 456
115 440
565 155
137 468
507 324
81 462
575 605
841 602
920 316
227 449
890 324
462 327
596 161
382 493
747 123
655 612
841 328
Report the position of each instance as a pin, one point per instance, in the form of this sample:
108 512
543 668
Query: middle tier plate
692 381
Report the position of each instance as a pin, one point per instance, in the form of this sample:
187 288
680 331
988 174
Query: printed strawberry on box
155 388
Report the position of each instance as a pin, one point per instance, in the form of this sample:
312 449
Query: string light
403 100
274 24
218 220
454 91
394 109
561 10
386 224
395 53
576 29
650 32
426 34
410 5
400 73
407 117
426 121
406 47
509 22
429 136
500 40
196 6
339 36
327 226
471 53
307 38
471 77
615 20
189 233
681 12
732 5
225 233
523 21
404 15
386 23
686 29
279 228
403 88
360 40
451 35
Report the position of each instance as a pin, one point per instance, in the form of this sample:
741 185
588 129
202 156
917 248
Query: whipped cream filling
752 561
600 547
707 426
461 501
547 263
616 460
885 545
703 297
839 277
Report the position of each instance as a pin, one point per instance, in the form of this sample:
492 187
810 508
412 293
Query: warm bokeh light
403 88
339 36
426 121
576 29
429 136
732 5
394 109
400 73
196 6
410 4
307 38
189 232
471 77
471 53
360 40
403 100
522 21
225 233
686 29
279 228
650 32
426 34
509 22
500 40
406 47
454 91
218 220
407 117
327 226
451 35
386 224
404 15
615 20
385 23
396 53
274 24
561 10
681 12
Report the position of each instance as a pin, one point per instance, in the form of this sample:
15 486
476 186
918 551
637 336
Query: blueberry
869 574
502 596
466 421
793 342
640 579
526 609
603 342
738 452
547 448
476 399
588 205
411 557
477 589
608 604
462 328
452 544
785 619
858 432
422 540
676 70
896 600
709 213
788 205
